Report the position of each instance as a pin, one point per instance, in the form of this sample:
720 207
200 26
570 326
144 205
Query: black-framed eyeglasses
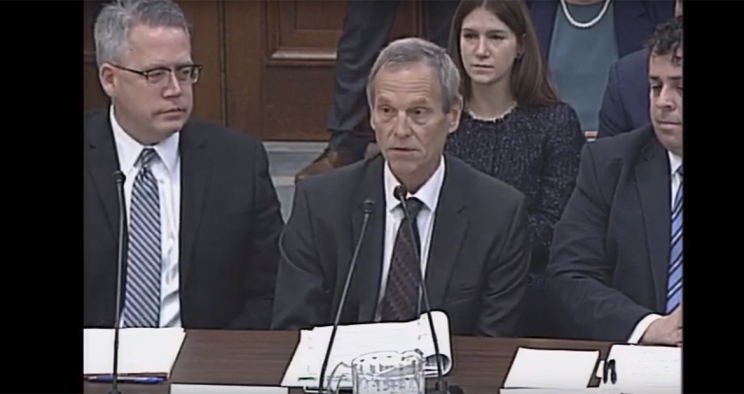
159 75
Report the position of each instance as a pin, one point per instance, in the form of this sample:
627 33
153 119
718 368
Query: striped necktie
142 302
674 284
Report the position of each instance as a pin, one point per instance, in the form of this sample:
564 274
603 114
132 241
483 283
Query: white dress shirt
674 163
428 194
166 168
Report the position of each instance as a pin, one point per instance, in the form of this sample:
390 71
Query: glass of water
389 372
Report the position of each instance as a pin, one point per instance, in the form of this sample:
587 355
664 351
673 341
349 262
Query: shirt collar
675 162
129 149
427 194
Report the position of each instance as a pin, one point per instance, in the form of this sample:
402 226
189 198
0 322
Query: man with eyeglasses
202 215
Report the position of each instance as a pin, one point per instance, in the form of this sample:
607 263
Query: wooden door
268 65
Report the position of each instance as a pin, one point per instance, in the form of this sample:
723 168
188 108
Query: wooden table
259 358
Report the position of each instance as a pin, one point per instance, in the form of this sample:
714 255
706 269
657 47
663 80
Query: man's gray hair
414 50
116 21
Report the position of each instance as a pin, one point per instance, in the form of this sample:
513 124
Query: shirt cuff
641 328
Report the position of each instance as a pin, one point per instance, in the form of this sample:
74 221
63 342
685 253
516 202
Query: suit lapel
196 170
369 265
543 14
654 187
450 225
101 163
630 25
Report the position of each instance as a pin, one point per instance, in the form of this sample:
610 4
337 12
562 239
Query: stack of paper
358 339
142 351
588 390
645 368
551 369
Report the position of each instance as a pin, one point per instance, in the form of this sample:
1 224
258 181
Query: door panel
301 49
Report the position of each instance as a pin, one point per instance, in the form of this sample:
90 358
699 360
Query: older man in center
471 229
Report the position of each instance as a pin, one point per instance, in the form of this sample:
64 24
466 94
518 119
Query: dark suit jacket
625 105
610 252
230 225
635 20
477 267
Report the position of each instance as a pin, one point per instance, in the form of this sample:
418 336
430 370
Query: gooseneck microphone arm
119 178
368 208
400 194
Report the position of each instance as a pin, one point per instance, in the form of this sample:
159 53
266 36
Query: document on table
142 351
551 369
646 367
589 390
225 389
357 339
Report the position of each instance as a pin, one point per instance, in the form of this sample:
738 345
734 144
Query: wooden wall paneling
245 24
301 39
207 41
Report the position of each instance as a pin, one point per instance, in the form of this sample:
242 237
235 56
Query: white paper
592 390
224 389
551 369
357 339
142 351
646 367
588 390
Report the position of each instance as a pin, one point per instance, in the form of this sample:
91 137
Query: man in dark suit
471 228
203 219
625 103
616 260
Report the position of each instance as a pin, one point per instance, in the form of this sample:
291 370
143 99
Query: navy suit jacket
625 105
610 251
635 20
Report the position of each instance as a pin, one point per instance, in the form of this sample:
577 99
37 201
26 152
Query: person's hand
665 331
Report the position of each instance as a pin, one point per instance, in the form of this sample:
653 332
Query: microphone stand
119 177
441 386
368 207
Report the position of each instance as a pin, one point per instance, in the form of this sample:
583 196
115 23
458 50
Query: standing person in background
625 103
581 39
366 31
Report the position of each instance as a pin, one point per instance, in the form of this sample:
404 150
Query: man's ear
453 116
107 77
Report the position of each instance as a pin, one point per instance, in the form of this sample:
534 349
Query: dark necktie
402 292
674 284
142 297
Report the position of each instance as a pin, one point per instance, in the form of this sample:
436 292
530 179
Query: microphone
369 205
119 178
400 194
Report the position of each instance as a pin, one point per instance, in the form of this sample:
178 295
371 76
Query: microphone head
119 177
400 192
369 205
